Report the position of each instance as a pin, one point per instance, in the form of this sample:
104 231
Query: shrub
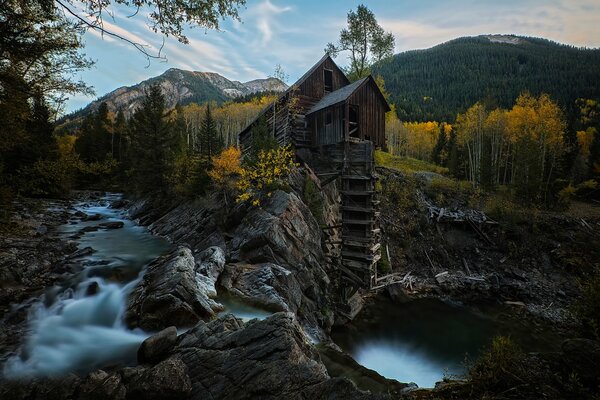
49 178
226 168
499 368
266 174
383 265
191 175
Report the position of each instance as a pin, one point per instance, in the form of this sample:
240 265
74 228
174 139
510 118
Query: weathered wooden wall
313 85
328 134
371 111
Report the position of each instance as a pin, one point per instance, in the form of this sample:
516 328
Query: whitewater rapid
78 327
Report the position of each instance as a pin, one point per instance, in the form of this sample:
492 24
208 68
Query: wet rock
397 293
92 289
86 251
100 385
166 380
209 265
268 286
41 230
268 358
121 203
46 389
86 229
168 294
283 232
111 225
284 239
92 217
79 214
157 347
340 364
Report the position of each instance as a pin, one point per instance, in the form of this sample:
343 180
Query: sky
293 34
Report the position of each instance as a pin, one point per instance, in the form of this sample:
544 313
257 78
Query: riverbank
33 257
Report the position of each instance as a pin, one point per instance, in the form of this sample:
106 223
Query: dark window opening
328 118
328 80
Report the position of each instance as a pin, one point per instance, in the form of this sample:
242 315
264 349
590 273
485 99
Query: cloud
266 14
564 21
294 34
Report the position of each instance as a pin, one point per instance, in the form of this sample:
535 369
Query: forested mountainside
440 82
181 87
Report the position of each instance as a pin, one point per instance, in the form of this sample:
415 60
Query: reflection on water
422 340
80 328
240 309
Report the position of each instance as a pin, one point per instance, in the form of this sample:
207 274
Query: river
78 326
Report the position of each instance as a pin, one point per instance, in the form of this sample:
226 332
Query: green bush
48 178
383 265
499 368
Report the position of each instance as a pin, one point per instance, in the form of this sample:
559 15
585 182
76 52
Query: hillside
183 87
438 83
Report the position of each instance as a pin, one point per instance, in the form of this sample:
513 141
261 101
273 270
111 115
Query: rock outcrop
268 286
169 294
270 256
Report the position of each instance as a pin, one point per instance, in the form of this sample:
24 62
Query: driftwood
407 280
441 214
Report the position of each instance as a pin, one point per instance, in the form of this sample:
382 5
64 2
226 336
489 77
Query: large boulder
157 347
209 265
167 380
283 232
268 286
268 358
169 294
100 385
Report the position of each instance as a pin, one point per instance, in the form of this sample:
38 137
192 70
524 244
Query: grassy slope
406 164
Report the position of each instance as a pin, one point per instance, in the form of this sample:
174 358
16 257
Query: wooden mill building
342 121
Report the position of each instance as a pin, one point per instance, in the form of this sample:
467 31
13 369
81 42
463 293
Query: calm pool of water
424 340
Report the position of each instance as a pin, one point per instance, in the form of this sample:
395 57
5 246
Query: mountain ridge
180 87
439 82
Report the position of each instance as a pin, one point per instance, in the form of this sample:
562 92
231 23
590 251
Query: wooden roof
342 94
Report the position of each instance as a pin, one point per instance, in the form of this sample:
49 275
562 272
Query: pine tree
211 141
452 163
154 144
120 137
94 141
41 142
440 146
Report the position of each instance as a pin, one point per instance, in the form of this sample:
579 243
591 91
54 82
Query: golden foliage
225 172
421 138
266 174
585 140
226 167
